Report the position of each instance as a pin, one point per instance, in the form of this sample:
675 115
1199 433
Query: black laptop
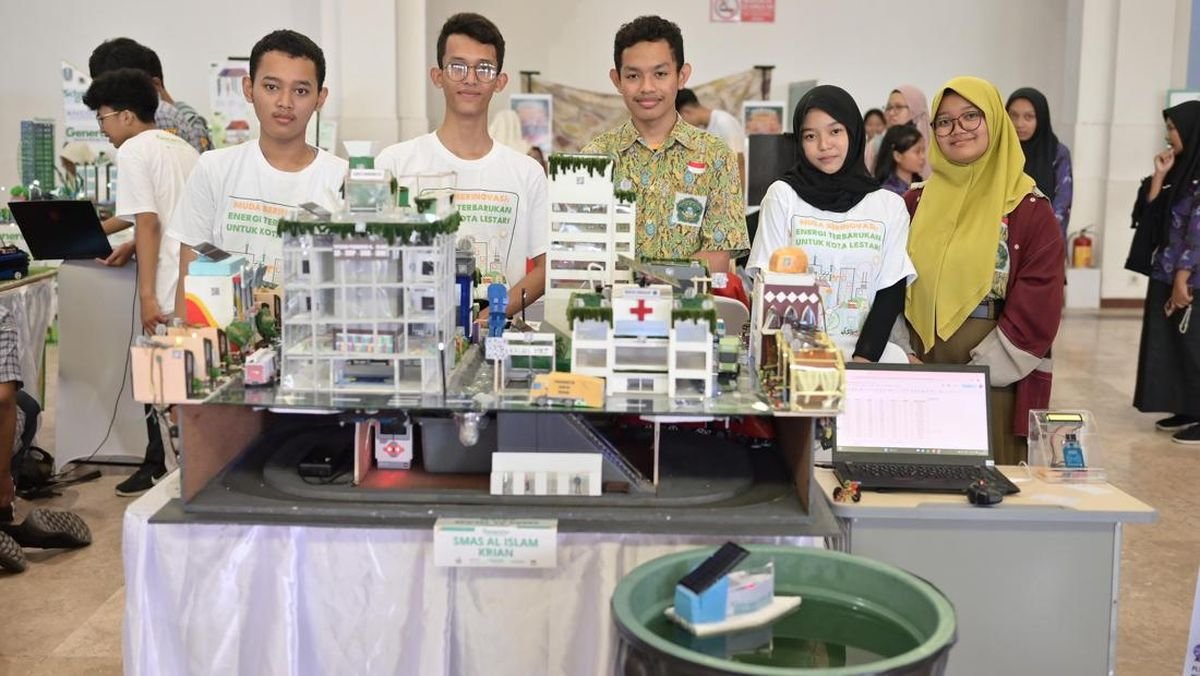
916 427
61 229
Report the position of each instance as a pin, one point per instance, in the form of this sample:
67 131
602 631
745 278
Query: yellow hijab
955 232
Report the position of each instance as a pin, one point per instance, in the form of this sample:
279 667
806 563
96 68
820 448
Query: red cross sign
641 310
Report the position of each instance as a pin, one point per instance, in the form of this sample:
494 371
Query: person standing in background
1168 375
901 157
905 105
1047 160
875 123
173 116
714 121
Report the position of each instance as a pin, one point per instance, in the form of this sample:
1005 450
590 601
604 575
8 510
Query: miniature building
690 372
591 226
800 366
783 298
644 341
366 304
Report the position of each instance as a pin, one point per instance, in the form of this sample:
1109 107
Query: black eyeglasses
968 121
484 72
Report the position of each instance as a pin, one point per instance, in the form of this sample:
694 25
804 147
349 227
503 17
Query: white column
359 44
1129 57
414 58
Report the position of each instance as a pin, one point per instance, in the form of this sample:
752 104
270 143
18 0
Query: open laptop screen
914 411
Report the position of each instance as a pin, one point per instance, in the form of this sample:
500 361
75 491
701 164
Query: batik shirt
183 121
689 194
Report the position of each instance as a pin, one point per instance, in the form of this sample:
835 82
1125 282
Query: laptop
61 229
916 427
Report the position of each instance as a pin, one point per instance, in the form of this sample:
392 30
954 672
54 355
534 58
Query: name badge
689 209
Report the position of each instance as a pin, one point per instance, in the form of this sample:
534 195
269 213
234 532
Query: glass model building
368 298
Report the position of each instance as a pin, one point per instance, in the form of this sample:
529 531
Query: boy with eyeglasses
154 166
500 193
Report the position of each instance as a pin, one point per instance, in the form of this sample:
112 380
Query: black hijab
837 192
1041 149
1186 118
1152 219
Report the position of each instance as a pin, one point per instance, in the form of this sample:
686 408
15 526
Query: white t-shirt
853 254
235 198
728 128
154 167
501 198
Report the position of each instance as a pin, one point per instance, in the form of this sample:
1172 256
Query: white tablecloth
263 600
31 307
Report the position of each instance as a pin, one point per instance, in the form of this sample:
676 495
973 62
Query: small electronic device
983 494
1072 452
211 251
714 567
317 210
324 463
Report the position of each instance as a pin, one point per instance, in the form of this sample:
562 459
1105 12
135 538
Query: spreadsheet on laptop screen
935 412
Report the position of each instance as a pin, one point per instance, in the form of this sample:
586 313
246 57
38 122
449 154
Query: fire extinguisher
1081 249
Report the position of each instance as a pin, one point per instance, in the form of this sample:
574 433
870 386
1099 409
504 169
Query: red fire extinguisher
1081 249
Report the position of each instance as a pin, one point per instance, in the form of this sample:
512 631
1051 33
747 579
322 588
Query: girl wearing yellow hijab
989 258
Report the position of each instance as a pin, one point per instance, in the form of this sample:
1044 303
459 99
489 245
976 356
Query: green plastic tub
858 616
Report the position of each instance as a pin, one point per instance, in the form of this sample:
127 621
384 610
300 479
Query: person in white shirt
500 193
154 166
714 121
854 232
236 196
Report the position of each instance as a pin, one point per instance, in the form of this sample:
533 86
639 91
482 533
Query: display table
30 302
252 599
1034 580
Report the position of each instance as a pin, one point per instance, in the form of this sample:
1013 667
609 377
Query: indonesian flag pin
697 168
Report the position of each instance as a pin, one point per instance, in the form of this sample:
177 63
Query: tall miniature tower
592 225
37 153
368 299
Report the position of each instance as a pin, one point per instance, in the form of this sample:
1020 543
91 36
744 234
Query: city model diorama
370 367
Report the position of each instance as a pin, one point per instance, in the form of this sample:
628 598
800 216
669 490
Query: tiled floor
63 616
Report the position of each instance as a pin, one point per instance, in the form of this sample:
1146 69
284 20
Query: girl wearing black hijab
854 232
1167 215
1046 159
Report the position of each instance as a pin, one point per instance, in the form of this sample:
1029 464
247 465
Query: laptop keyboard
936 475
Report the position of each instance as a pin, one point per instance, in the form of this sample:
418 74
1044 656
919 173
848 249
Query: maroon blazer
1032 305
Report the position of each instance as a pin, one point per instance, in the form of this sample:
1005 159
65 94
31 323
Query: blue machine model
497 295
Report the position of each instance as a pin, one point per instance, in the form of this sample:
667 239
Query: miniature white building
590 229
644 341
366 304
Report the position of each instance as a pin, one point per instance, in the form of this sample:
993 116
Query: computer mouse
982 494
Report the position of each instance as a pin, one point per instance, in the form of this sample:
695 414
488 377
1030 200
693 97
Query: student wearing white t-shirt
154 167
714 121
236 196
854 232
500 193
